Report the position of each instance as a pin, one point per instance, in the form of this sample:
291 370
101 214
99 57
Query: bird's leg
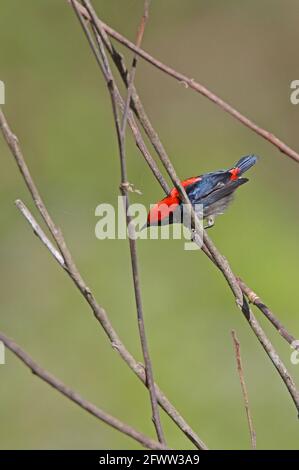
210 221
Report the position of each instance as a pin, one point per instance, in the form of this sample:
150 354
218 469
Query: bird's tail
245 163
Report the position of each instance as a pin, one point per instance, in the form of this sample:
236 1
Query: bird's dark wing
207 184
220 193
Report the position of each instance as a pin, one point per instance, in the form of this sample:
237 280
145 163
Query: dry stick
244 389
137 106
82 12
220 261
40 233
254 298
13 144
121 129
263 339
89 14
43 374
191 83
140 34
98 311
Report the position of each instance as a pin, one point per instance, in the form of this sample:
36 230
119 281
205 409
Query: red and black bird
209 193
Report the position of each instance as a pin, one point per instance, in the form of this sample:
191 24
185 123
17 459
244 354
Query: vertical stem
124 186
244 388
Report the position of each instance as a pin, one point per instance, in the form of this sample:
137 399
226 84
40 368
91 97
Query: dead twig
196 86
68 392
121 132
255 300
244 389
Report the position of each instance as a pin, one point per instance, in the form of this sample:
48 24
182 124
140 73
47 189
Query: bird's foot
210 222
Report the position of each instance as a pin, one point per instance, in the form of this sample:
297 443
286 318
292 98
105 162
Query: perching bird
213 190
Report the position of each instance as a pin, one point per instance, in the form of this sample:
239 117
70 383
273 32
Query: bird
209 193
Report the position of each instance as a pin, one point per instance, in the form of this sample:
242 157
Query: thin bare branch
40 233
98 311
131 121
50 379
244 389
260 334
121 130
255 300
140 34
194 85
13 143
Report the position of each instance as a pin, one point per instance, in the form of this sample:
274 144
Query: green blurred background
58 105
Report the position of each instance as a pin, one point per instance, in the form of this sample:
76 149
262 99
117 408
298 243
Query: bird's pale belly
218 207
